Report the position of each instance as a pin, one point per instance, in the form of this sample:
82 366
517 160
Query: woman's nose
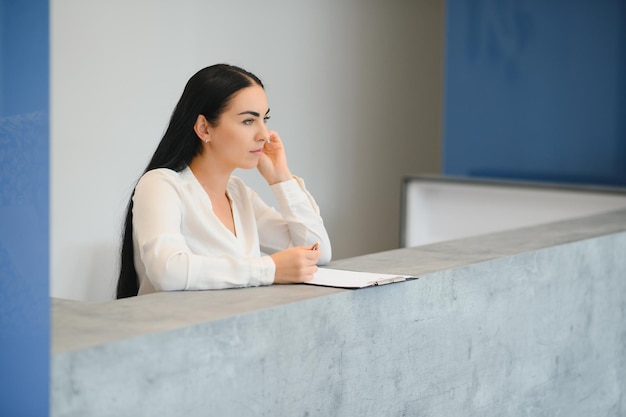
264 134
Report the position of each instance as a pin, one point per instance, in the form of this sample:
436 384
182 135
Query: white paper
329 277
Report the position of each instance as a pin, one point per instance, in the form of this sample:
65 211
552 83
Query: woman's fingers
296 264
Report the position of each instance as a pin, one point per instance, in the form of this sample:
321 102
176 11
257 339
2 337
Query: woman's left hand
273 162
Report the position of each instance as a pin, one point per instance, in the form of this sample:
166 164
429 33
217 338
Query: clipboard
339 278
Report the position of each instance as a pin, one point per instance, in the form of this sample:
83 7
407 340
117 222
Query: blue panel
24 219
536 90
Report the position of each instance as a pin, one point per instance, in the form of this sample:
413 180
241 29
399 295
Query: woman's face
240 134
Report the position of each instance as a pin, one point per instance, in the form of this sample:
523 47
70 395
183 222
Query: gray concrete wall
527 322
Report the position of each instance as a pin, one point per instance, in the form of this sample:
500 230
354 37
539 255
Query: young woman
191 225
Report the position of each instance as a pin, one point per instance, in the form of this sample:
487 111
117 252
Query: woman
191 225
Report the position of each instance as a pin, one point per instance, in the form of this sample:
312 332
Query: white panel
437 210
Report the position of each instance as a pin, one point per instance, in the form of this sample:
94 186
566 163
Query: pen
315 246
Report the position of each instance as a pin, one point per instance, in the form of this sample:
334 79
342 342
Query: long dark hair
207 92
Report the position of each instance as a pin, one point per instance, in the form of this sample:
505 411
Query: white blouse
180 244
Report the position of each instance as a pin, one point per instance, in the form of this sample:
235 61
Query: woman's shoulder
161 176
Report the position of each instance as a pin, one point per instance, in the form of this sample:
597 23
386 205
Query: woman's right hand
295 265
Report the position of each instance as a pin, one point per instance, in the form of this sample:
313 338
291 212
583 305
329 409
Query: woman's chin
249 165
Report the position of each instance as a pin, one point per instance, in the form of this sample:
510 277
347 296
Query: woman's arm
297 224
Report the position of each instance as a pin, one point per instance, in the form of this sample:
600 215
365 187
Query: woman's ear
201 127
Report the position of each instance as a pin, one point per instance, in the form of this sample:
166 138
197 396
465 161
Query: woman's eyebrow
253 113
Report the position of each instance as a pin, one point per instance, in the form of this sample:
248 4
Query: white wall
354 87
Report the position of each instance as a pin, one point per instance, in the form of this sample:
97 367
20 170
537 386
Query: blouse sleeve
297 223
169 263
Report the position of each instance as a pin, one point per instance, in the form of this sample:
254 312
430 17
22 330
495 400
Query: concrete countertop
78 325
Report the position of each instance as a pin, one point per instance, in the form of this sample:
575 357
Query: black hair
207 93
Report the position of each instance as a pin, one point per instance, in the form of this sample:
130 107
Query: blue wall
536 90
24 153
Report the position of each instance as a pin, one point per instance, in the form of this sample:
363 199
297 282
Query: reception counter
530 321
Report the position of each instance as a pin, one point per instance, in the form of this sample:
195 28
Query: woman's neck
213 179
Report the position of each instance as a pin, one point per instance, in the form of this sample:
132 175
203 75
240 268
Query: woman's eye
266 119
248 121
